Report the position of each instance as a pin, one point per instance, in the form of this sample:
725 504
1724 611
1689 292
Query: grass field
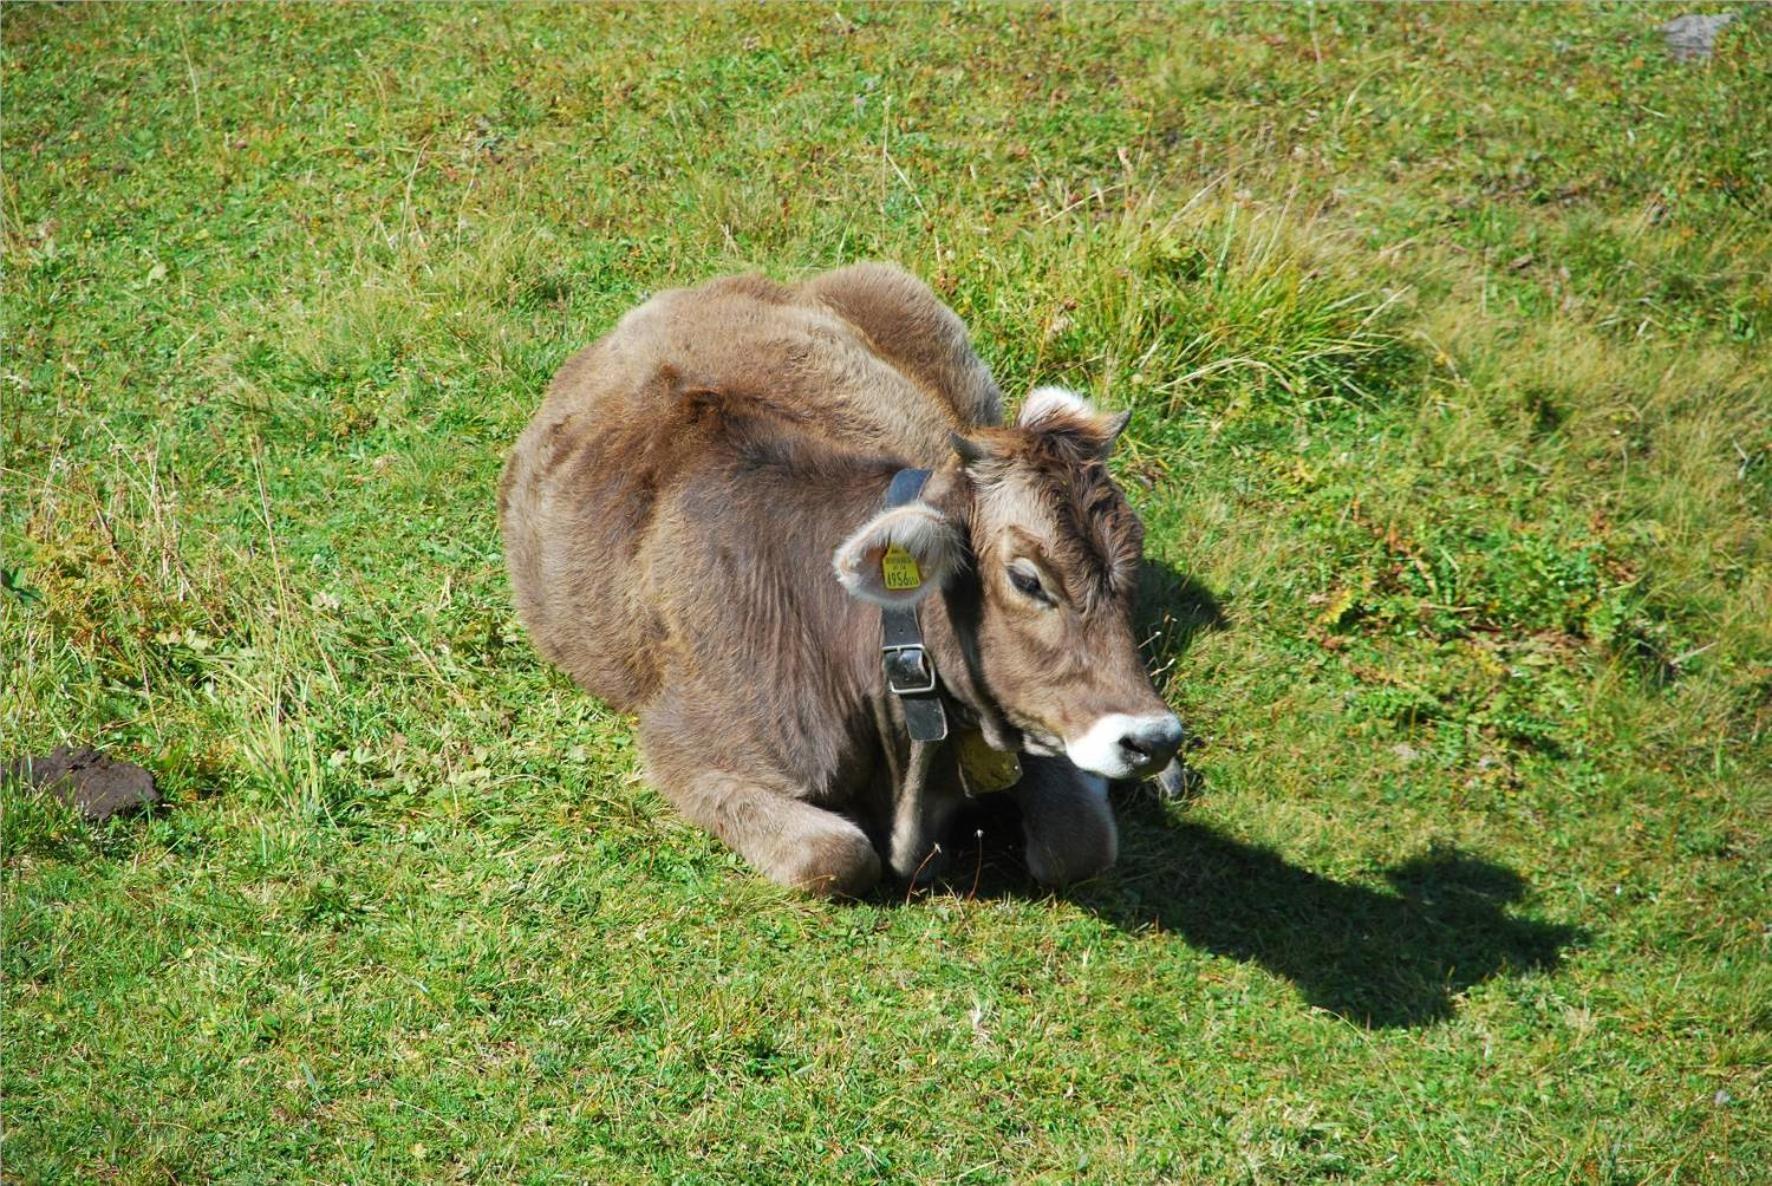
1446 332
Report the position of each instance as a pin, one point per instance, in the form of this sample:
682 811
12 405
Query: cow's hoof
835 865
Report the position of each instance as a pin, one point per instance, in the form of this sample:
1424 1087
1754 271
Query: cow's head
1039 552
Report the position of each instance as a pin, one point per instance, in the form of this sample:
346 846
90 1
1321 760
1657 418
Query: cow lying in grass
672 519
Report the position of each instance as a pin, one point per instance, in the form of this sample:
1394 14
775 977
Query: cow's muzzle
1121 746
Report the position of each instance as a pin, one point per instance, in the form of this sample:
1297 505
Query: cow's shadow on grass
1380 958
1173 609
1376 957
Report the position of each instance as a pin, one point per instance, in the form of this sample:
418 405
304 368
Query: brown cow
672 516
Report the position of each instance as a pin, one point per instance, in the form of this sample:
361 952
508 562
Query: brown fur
670 516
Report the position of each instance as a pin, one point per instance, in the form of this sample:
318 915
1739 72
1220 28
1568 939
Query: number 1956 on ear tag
899 569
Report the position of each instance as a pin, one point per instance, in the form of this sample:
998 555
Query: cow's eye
1027 581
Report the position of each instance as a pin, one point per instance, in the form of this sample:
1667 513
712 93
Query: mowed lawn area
1446 333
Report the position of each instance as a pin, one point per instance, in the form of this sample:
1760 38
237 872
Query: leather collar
910 669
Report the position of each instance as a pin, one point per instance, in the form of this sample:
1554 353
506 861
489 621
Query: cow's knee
791 841
1077 856
1068 824
834 862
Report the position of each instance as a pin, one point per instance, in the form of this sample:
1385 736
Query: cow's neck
950 632
922 778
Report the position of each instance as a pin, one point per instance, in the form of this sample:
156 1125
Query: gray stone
1690 38
98 786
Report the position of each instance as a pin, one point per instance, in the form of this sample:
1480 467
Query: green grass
1446 334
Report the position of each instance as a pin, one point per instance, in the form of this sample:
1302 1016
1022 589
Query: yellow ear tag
983 769
899 568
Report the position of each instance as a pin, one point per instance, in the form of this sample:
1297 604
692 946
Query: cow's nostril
1153 740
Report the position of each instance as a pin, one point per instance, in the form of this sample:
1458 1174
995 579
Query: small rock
100 787
1691 38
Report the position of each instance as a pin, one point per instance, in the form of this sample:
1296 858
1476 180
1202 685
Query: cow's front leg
1067 821
793 842
920 817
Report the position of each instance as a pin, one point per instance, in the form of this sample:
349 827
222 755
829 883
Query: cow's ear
900 556
1065 413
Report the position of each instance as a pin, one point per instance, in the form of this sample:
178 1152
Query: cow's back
907 330
865 357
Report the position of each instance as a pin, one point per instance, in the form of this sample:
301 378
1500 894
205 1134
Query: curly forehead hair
1054 474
